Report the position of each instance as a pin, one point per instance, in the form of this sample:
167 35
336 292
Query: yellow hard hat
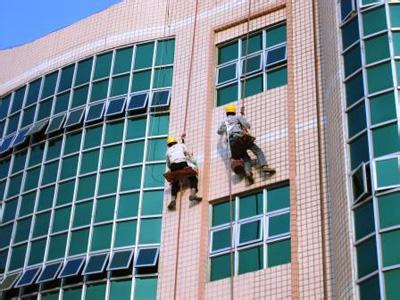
171 140
230 108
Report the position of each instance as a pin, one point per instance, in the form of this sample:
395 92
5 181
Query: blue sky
22 21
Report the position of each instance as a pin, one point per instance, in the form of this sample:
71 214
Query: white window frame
343 19
82 259
84 272
375 179
361 5
109 268
243 60
217 229
160 105
103 103
363 167
62 116
37 270
276 63
147 265
138 108
224 65
259 219
124 99
60 264
284 235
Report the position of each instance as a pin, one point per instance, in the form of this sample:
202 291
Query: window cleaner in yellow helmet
236 127
177 159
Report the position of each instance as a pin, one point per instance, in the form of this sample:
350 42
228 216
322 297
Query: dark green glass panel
227 94
5 106
374 20
18 257
354 89
152 202
57 246
390 252
103 65
395 15
136 128
276 78
14 185
379 77
42 223
156 149
220 267
33 93
29 115
162 77
228 52
83 72
108 182
50 172
276 35
128 205
114 132
144 56
4 168
227 73
86 187
36 254
72 142
2 189
359 151
278 198
386 140
279 253
392 287
67 74
89 162
145 288
44 109
61 219
364 220
123 60
279 224
27 204
101 237
131 178
18 99
125 234
369 289
120 289
366 257
111 157
356 119
250 232
82 214
350 32
141 81
254 44
5 236
252 86
120 85
250 260
54 149
99 90
150 231
62 102
49 296
250 205
221 213
10 208
23 229
377 48
65 192
154 175
49 85
79 241
80 96
46 198
383 108
69 166
221 239
3 260
72 293
396 42
96 291
93 137
133 152
159 125
19 161
387 172
105 209
389 210
165 52
13 123
352 60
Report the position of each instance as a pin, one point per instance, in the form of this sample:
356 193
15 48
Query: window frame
62 116
258 218
375 173
33 278
366 192
160 105
54 276
106 256
132 252
155 260
70 114
77 270
138 108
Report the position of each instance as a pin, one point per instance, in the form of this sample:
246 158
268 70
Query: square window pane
356 119
386 140
147 257
86 187
69 166
13 123
108 182
138 102
72 142
74 118
276 78
278 198
29 115
116 106
83 72
4 106
350 33
33 93
61 219
159 125
14 185
221 239
37 251
96 264
374 20
128 205
145 288
80 96
364 220
150 231
93 137
27 204
276 35
154 175
377 48
221 213
57 246
44 109
62 102
227 94
49 273
36 154
105 209
396 42
103 65
3 260
4 168
65 192
82 214
50 172
10 208
162 77
42 223
228 52
53 149
379 77
275 56
141 81
250 205
390 254
389 210
18 99
352 60
72 267
165 52
366 257
392 287
136 128
111 157
250 232
131 178
55 123
160 99
101 237
359 151
17 257
23 229
278 253
251 260
227 73
133 152
72 293
79 241
114 132
66 78
152 202
144 56
49 85
19 161
120 289
5 236
279 225
251 65
125 233
156 149
123 60
120 85
220 267
95 112
89 161
254 44
99 90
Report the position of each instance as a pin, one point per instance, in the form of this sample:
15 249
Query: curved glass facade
371 66
82 158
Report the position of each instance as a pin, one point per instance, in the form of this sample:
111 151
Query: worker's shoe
269 171
172 204
193 196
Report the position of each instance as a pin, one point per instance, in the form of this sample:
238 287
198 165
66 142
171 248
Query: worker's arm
243 122
222 129
187 153
168 162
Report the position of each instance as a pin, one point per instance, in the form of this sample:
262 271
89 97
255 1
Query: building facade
84 114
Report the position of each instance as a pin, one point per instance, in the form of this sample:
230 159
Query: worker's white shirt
177 153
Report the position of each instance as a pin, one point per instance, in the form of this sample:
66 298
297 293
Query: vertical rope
246 58
184 131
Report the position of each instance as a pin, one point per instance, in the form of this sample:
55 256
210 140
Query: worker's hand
242 110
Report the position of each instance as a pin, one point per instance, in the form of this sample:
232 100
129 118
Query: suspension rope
183 136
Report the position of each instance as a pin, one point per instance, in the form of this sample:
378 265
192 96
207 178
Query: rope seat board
181 174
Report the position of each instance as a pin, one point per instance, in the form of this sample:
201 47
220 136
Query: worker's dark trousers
260 157
193 182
